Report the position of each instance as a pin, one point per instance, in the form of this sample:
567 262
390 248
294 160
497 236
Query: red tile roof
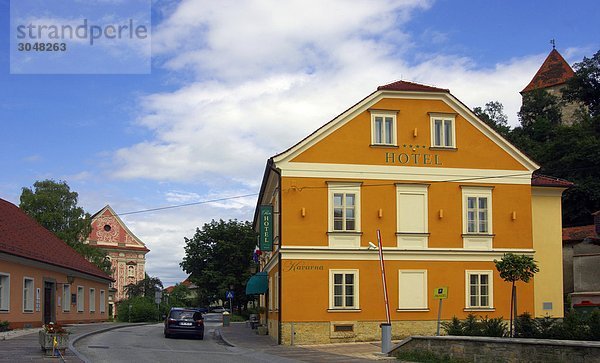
22 236
410 87
555 70
539 180
578 233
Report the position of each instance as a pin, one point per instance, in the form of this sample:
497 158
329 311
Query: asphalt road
146 343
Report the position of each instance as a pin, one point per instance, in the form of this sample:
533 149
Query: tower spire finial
553 42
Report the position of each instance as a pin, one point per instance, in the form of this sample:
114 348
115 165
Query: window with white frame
4 291
477 210
479 287
383 128
412 289
443 130
92 300
343 289
80 293
102 301
28 294
412 224
66 297
344 207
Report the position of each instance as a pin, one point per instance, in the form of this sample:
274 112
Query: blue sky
233 83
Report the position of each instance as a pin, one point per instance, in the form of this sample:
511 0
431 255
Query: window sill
28 312
4 311
384 146
345 232
479 309
344 310
416 310
443 148
476 235
412 233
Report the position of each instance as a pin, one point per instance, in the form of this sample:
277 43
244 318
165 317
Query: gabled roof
108 215
410 87
539 180
402 89
574 234
22 236
554 71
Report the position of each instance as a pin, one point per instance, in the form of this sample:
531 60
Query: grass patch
423 356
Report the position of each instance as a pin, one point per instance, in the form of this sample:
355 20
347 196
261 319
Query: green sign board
266 228
440 293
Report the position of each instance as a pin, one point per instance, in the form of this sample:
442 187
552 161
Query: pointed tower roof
554 71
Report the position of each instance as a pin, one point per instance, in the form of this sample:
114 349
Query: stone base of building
306 333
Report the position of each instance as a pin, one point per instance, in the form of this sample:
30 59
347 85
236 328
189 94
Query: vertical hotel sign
266 228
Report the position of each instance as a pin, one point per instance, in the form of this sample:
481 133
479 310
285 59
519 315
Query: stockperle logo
80 37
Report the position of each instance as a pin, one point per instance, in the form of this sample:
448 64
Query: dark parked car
184 321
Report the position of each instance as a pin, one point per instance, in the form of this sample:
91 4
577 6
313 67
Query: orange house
448 194
42 279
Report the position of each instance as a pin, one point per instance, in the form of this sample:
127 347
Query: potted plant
54 337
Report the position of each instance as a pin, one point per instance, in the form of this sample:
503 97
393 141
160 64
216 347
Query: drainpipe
276 171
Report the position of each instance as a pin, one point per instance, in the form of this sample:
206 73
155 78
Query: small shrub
453 327
471 326
141 310
493 327
525 326
593 323
572 327
4 325
545 328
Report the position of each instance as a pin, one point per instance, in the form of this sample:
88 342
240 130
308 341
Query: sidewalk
240 335
22 345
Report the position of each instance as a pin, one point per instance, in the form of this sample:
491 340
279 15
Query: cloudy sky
234 82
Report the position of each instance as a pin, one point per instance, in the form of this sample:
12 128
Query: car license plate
184 323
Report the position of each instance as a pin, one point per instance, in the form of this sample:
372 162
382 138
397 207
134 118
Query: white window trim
102 301
443 117
6 293
476 240
356 289
271 307
490 274
80 299
384 114
31 295
66 297
412 239
92 302
276 291
425 295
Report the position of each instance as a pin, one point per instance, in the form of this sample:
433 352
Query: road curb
223 339
84 335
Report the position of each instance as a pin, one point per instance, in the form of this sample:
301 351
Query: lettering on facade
301 266
412 159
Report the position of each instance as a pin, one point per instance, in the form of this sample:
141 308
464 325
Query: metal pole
383 279
439 318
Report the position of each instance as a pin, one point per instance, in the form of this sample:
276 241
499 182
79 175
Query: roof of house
578 233
554 71
410 87
539 180
117 232
22 236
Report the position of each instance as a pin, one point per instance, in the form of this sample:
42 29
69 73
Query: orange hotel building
449 196
42 279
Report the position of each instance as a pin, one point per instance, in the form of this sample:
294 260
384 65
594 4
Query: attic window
383 127
107 228
443 130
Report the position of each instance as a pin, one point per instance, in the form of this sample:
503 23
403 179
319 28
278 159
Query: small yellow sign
440 292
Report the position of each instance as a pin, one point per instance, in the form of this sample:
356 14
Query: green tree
584 87
218 257
146 287
180 296
54 206
513 268
493 115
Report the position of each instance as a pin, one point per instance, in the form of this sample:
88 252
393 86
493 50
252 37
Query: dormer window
442 130
383 128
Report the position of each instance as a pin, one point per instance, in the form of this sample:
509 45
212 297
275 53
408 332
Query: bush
453 327
471 326
141 310
593 322
4 325
493 327
525 326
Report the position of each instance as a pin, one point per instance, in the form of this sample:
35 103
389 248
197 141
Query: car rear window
185 315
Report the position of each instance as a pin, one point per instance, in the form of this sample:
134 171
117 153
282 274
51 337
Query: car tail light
200 322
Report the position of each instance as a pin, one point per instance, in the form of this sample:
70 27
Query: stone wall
306 333
484 349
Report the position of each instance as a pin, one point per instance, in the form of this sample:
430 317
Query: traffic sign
440 293
229 294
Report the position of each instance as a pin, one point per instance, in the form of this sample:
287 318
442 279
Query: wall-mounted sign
266 228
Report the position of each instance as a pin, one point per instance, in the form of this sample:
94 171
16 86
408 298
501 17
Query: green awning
257 284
